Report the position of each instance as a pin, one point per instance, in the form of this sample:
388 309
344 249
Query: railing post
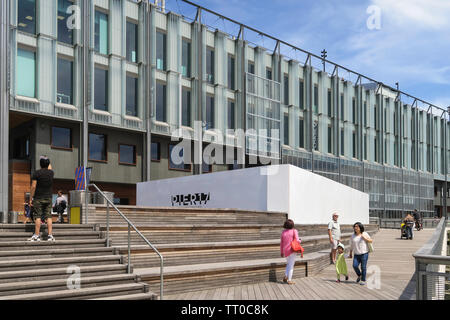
129 249
107 223
161 289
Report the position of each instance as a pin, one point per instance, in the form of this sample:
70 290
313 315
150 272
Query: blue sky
412 45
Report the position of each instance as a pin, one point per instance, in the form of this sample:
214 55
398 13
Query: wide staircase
210 248
78 265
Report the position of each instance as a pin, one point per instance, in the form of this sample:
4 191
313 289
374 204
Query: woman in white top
359 246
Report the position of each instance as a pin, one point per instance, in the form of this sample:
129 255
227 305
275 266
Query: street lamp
324 56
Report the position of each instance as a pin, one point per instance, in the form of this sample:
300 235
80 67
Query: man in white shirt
61 205
334 234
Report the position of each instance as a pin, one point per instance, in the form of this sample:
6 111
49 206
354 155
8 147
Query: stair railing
130 225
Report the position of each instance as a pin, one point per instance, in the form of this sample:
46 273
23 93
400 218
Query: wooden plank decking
392 256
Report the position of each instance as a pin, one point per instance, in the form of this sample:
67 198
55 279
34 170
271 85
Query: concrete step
30 264
29 227
50 252
52 273
27 287
178 279
59 235
84 293
137 296
208 252
45 245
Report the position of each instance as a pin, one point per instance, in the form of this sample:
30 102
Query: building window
132 41
231 73
97 147
286 89
269 73
342 142
330 111
179 165
330 140
210 65
186 59
354 144
354 110
64 33
101 90
342 107
127 154
161 102
365 147
65 81
26 16
161 43
132 95
316 135
231 115
251 67
186 108
101 32
206 168
26 73
156 151
302 94
301 133
61 138
286 128
316 98
210 123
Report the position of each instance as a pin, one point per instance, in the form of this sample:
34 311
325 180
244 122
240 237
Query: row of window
61 138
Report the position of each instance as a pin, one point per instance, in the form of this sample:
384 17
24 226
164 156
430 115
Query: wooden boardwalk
392 257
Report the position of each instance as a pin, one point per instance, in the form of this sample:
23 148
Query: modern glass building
107 83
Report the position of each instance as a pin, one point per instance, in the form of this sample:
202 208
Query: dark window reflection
61 138
26 16
65 34
65 81
181 165
97 147
132 93
160 51
127 154
186 108
101 90
160 102
156 151
132 41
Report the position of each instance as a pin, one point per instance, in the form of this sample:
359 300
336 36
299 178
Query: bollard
3 217
13 217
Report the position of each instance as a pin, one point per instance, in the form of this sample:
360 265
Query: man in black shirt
41 198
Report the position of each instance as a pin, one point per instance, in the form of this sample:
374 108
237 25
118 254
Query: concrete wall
306 197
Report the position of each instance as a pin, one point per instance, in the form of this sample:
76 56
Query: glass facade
186 59
26 73
97 147
231 115
231 72
186 108
209 65
65 81
101 32
101 90
65 32
161 49
210 113
127 154
61 138
132 41
26 16
177 164
161 112
132 95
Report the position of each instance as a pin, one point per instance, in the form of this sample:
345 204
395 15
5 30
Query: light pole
324 56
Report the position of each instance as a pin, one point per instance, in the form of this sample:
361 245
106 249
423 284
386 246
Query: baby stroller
404 233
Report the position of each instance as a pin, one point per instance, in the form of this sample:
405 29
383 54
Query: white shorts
334 245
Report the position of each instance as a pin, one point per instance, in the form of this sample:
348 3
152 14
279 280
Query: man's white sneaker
50 238
35 238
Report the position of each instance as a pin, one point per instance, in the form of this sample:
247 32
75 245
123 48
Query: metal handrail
130 225
428 255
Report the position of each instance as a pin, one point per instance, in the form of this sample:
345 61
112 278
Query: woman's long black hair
360 225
